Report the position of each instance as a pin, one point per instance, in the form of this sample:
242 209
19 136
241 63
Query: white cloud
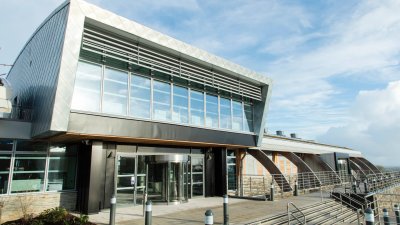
362 45
374 127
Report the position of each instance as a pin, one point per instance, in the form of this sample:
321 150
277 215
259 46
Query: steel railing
291 214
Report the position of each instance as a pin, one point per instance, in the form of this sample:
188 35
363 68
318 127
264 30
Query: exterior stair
328 212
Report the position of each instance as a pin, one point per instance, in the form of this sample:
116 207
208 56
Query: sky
335 64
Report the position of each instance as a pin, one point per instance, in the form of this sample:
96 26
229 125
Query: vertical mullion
243 117
204 109
171 108
151 97
189 105
231 127
12 162
46 169
102 87
128 105
219 111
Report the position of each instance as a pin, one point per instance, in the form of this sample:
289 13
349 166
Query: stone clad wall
16 206
388 199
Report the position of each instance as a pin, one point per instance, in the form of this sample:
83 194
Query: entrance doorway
168 179
131 178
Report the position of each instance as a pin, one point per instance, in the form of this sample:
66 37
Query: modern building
104 105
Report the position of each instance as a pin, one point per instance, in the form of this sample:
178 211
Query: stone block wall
16 206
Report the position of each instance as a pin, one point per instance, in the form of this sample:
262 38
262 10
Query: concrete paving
240 211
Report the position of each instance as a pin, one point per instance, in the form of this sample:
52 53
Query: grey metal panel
110 126
34 74
68 66
15 129
97 178
301 165
260 114
271 167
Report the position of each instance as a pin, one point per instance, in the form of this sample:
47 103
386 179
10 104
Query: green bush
54 216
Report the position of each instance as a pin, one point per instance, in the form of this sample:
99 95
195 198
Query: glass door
197 176
131 178
126 179
168 182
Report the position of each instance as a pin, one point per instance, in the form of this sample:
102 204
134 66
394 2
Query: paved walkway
241 211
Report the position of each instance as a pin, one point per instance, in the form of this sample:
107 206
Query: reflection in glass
225 113
140 97
32 146
161 101
180 109
231 177
6 145
28 173
248 114
197 164
5 160
125 179
197 108
237 117
211 111
115 92
87 87
62 168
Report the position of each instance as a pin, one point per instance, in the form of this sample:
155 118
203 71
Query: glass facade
212 111
140 97
36 167
115 92
62 168
161 100
180 110
231 169
156 97
87 87
197 108
225 113
5 160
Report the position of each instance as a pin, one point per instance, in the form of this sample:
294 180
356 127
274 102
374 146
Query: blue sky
335 64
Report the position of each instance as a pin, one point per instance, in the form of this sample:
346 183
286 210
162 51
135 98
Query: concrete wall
13 207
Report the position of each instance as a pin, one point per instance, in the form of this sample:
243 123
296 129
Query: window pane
32 146
140 97
180 110
161 101
225 111
4 172
87 87
248 121
62 168
6 145
115 92
28 173
211 111
237 119
231 177
197 108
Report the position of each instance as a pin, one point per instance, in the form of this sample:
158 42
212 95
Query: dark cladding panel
35 72
109 126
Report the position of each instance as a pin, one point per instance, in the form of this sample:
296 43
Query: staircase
324 213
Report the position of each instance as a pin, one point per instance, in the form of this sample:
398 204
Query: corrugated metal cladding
35 72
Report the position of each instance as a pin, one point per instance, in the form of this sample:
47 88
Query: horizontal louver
100 43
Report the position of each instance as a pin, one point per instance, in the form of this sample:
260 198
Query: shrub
54 216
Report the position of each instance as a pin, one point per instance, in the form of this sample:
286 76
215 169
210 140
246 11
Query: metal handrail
352 207
291 214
